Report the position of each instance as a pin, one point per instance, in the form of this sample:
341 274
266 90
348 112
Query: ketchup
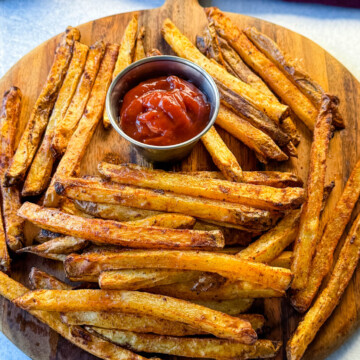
164 111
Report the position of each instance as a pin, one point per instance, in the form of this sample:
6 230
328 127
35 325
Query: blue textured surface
24 24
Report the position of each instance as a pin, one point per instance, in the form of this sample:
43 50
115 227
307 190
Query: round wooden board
41 343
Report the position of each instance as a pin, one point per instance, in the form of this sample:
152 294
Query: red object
164 111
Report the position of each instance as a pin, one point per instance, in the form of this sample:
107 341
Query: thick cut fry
4 254
271 74
41 280
232 307
39 117
184 48
217 323
283 260
335 227
172 221
308 235
259 196
228 266
67 126
116 233
223 158
68 206
329 297
139 48
103 192
125 56
38 177
13 224
70 162
193 347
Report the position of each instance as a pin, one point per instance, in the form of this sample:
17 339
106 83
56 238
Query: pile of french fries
171 262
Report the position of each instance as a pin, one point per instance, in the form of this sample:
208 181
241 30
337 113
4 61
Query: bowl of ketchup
163 105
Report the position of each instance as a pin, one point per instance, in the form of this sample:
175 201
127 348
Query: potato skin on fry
41 280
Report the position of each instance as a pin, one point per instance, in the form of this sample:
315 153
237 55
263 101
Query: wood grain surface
41 343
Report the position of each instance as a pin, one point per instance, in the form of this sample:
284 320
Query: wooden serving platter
41 343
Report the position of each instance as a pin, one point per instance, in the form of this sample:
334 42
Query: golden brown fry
233 307
190 347
308 234
271 74
225 265
38 177
41 280
184 48
153 52
173 221
223 158
68 206
283 260
45 235
12 224
39 117
139 48
259 196
288 127
125 56
329 297
67 126
335 227
4 254
116 233
218 324
79 141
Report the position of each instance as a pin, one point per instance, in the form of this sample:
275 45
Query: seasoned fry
41 280
38 177
217 323
184 48
190 347
308 235
139 48
103 192
91 116
329 297
103 349
335 227
67 126
223 158
271 74
173 221
39 117
233 307
125 56
11 223
225 265
116 233
68 206
45 235
4 254
259 196
283 260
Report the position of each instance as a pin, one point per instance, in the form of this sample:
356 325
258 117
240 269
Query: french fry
184 48
283 260
334 228
67 126
172 221
39 117
223 158
41 280
225 265
46 235
11 223
329 297
102 192
116 233
68 206
153 52
308 234
217 323
125 56
38 177
95 345
270 73
259 196
90 118
4 254
233 307
139 47
190 347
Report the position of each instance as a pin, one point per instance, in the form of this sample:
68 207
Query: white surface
26 24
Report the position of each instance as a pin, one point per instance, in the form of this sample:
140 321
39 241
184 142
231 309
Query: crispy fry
104 192
4 254
329 297
283 260
46 235
184 48
223 158
125 56
79 141
41 280
271 74
11 224
288 127
232 307
308 235
139 48
38 177
217 323
116 233
193 347
39 117
335 227
67 126
259 196
225 265
68 206
173 221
